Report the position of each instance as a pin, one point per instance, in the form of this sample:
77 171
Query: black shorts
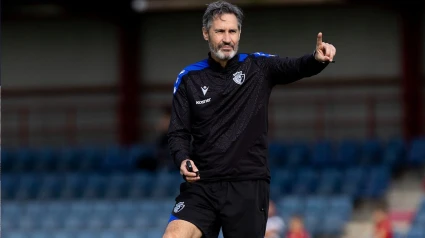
240 208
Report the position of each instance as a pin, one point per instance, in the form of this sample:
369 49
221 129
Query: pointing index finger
319 38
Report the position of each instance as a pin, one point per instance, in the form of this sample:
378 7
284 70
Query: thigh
245 210
182 228
193 214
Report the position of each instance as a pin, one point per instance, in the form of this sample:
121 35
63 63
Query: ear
205 33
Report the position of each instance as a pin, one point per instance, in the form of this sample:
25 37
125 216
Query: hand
190 176
324 52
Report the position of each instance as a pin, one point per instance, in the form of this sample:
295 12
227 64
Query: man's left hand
325 52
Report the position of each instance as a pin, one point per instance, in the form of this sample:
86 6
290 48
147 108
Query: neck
223 63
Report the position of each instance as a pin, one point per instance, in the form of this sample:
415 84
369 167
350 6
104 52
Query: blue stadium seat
312 222
126 208
25 160
8 160
29 223
154 233
353 179
74 186
28 186
90 159
116 159
52 222
341 205
75 222
166 185
282 181
46 159
332 225
68 159
9 186
142 185
371 152
394 152
132 234
316 204
347 153
416 152
322 154
50 187
377 182
329 182
297 154
96 186
118 186
140 152
290 205
276 154
305 182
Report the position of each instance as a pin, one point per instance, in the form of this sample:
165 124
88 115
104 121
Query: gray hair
217 9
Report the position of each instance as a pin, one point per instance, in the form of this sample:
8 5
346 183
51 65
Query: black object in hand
190 168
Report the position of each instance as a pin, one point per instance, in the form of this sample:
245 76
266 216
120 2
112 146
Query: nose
226 38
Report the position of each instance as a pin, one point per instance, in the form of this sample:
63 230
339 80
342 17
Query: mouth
226 48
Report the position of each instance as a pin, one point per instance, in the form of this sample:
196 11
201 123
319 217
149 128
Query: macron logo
204 89
203 101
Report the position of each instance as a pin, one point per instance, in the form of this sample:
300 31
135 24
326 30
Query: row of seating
322 215
324 153
347 153
154 233
357 182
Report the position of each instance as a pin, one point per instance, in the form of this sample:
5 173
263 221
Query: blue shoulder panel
258 54
196 66
242 57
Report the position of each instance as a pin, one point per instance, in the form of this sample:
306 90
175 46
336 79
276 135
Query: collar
217 66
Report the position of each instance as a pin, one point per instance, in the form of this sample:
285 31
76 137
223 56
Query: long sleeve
179 130
285 70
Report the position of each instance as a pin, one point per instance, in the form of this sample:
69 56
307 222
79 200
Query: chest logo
239 77
204 89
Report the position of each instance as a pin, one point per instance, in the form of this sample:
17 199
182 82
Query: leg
245 210
194 214
183 229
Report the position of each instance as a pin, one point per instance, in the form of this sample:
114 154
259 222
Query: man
382 223
275 224
220 105
296 228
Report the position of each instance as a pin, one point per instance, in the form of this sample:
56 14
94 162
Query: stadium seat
322 154
305 182
342 206
352 181
394 152
347 154
376 182
416 152
332 225
276 154
290 205
329 182
371 152
296 154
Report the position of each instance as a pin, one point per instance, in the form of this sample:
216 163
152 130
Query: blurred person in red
382 223
275 224
296 228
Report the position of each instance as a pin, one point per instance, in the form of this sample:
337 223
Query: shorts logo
239 77
179 206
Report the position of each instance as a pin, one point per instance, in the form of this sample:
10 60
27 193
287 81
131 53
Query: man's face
223 36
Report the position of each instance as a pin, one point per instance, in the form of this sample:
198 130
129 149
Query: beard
216 50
